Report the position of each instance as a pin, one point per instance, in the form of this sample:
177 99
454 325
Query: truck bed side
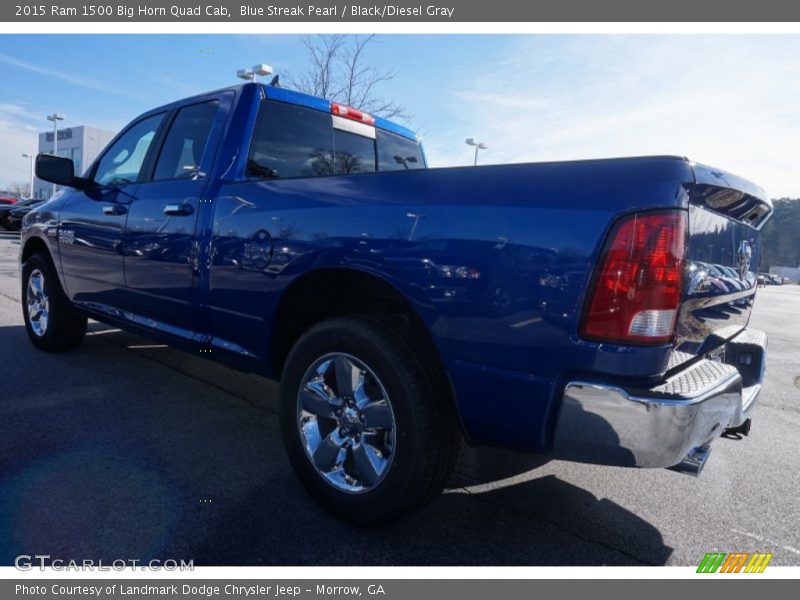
495 260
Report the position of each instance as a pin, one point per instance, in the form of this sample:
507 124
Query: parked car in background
776 279
11 215
554 307
8 200
5 209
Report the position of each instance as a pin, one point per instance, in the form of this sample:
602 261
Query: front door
92 222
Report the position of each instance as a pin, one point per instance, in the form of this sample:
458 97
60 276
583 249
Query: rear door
160 249
266 220
726 214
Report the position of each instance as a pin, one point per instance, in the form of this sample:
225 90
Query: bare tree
320 77
20 188
340 70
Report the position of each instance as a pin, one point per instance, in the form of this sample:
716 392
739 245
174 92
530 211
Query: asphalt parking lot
127 449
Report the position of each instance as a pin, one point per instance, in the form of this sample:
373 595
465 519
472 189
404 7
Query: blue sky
728 100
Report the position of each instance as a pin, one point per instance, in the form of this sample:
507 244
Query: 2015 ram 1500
593 310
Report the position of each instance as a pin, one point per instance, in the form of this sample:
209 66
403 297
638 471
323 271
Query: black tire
65 327
426 434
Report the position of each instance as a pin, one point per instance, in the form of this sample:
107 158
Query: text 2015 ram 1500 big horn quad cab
594 310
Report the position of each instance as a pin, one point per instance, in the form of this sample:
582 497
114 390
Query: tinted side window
396 153
122 162
290 141
353 153
186 141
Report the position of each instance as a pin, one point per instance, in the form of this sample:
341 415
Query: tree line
780 238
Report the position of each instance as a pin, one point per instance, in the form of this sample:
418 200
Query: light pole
55 118
404 160
30 157
478 146
253 73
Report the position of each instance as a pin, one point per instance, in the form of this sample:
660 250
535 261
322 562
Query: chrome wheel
38 304
346 423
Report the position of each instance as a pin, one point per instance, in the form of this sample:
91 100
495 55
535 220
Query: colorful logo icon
735 562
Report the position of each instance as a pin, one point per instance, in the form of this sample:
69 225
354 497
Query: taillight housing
635 294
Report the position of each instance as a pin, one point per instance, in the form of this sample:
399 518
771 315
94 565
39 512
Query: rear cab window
291 141
353 153
397 153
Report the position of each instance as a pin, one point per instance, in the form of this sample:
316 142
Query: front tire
53 325
363 419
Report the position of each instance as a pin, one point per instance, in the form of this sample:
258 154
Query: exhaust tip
738 432
694 462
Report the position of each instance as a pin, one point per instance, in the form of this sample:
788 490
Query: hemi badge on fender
52 231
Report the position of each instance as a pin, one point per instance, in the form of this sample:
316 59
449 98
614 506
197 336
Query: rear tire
53 325
413 449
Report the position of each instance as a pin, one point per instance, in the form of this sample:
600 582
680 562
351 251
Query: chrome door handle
113 210
178 210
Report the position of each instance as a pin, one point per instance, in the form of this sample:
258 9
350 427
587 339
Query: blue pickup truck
594 311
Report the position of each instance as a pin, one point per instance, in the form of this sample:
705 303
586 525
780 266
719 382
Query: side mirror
58 170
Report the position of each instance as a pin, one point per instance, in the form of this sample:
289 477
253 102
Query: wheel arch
318 295
334 291
33 245
36 243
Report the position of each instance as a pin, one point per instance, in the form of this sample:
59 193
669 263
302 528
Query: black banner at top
398 11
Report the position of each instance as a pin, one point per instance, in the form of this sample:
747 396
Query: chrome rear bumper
661 426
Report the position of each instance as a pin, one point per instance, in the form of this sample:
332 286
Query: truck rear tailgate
724 250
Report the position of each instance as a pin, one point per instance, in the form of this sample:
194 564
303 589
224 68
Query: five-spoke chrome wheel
346 422
37 303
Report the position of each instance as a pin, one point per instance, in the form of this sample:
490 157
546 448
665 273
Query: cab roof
308 101
300 99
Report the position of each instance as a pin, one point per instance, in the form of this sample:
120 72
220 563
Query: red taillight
353 114
636 292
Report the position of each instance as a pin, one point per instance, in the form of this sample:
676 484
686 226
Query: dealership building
82 144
